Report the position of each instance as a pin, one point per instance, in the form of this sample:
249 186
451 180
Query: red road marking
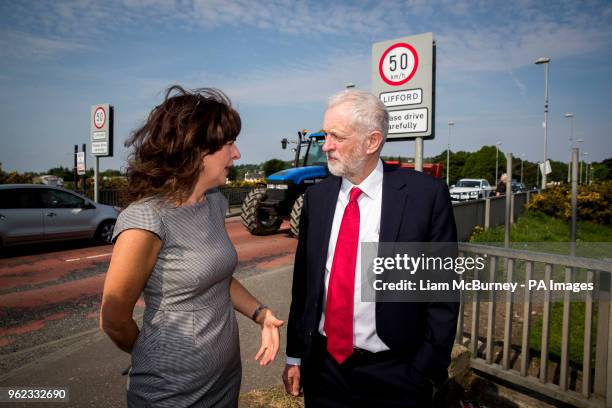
26 328
266 252
62 292
40 269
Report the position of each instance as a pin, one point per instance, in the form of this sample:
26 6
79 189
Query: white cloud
510 36
309 82
21 44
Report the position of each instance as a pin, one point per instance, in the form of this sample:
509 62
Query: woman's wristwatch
258 311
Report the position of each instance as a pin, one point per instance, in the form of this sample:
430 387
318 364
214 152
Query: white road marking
88 257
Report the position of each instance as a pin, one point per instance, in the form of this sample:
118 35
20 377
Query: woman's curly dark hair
166 153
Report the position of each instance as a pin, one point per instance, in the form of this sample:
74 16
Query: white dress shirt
370 204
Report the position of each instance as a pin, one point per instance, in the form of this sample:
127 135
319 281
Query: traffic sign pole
75 175
418 154
403 77
102 123
84 186
96 163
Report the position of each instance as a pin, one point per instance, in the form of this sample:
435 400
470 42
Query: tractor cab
315 156
264 208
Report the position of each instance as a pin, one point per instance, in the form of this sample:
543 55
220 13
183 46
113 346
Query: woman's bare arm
134 256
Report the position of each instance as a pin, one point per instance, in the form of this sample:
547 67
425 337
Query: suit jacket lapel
327 206
393 204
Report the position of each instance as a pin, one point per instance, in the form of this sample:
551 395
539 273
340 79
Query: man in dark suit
345 352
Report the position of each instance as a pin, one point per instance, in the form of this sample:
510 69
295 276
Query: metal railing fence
501 359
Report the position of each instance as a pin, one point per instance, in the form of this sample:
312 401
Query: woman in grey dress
172 246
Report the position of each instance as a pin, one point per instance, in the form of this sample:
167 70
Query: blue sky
279 60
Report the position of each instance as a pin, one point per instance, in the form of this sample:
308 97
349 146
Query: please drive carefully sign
102 130
403 78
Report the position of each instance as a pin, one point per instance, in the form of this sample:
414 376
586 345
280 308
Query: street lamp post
496 159
450 124
546 61
570 116
580 141
584 159
522 159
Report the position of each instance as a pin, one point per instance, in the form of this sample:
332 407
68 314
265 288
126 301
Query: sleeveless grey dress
187 353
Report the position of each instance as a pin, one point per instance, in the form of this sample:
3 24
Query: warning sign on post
80 163
102 130
402 77
99 148
407 121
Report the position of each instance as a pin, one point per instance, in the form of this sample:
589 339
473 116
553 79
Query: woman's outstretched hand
270 338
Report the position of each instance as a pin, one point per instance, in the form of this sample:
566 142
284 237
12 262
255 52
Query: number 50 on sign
398 64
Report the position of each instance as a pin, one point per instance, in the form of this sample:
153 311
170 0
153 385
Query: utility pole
522 159
450 124
570 116
546 62
496 159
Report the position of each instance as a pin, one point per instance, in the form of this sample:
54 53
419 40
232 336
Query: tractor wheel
294 219
257 222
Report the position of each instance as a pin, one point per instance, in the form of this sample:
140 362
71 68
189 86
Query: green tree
272 166
233 174
16 178
559 171
111 173
602 171
481 164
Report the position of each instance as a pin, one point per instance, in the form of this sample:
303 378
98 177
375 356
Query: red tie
341 290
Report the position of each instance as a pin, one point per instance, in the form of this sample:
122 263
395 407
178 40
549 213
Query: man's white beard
349 168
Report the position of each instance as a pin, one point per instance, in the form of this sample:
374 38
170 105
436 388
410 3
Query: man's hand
291 378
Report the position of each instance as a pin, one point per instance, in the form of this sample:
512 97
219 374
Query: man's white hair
368 112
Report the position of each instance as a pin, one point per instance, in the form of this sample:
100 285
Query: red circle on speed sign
99 118
398 64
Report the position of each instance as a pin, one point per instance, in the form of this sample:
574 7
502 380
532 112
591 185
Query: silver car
31 213
470 189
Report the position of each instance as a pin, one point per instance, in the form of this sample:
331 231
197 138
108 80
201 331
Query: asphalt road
90 366
50 300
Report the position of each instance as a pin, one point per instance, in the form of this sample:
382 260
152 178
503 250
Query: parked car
31 213
470 189
517 186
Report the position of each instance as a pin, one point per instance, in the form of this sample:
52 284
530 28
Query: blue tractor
264 208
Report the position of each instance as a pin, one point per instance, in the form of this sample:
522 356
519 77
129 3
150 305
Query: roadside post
84 170
509 197
574 200
80 167
101 137
403 77
75 174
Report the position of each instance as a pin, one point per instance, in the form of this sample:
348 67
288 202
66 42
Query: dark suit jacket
415 208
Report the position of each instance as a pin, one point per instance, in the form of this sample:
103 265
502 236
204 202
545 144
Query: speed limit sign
99 117
398 64
102 130
403 77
